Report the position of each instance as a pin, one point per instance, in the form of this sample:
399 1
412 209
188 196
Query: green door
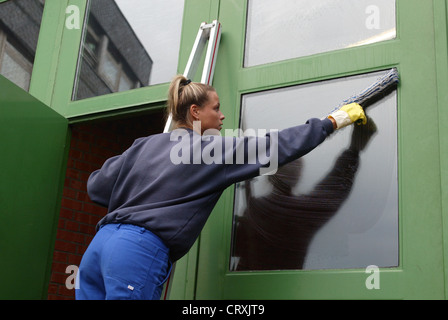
386 238
33 140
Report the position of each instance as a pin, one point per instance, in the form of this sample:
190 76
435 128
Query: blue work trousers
123 262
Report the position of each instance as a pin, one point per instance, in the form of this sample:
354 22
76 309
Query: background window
19 30
128 44
285 29
337 207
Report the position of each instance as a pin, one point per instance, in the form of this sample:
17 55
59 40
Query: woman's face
210 114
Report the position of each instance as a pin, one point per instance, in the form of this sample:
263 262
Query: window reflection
337 207
285 29
19 30
127 45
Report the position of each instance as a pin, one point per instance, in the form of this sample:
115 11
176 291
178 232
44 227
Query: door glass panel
337 207
19 30
285 29
127 45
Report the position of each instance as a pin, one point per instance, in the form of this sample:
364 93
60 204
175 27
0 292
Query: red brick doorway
91 144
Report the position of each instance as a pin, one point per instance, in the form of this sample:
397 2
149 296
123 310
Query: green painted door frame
420 54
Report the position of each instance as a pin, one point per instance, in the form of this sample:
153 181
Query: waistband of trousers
141 230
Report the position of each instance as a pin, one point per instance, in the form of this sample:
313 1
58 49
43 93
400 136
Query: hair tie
187 82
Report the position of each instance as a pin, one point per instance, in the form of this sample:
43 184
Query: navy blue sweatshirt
170 189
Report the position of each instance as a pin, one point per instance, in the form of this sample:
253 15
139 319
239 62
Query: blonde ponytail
182 94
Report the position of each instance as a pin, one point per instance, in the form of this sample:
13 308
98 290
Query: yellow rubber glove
349 114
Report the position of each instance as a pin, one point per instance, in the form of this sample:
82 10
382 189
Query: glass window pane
285 29
110 70
337 207
19 30
128 44
125 83
16 69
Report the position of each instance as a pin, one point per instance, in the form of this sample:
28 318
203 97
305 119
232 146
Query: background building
80 80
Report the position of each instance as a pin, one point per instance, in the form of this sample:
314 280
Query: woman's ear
194 112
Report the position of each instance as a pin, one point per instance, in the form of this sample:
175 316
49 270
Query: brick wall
91 144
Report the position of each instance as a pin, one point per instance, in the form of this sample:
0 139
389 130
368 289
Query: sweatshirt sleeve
281 148
101 182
